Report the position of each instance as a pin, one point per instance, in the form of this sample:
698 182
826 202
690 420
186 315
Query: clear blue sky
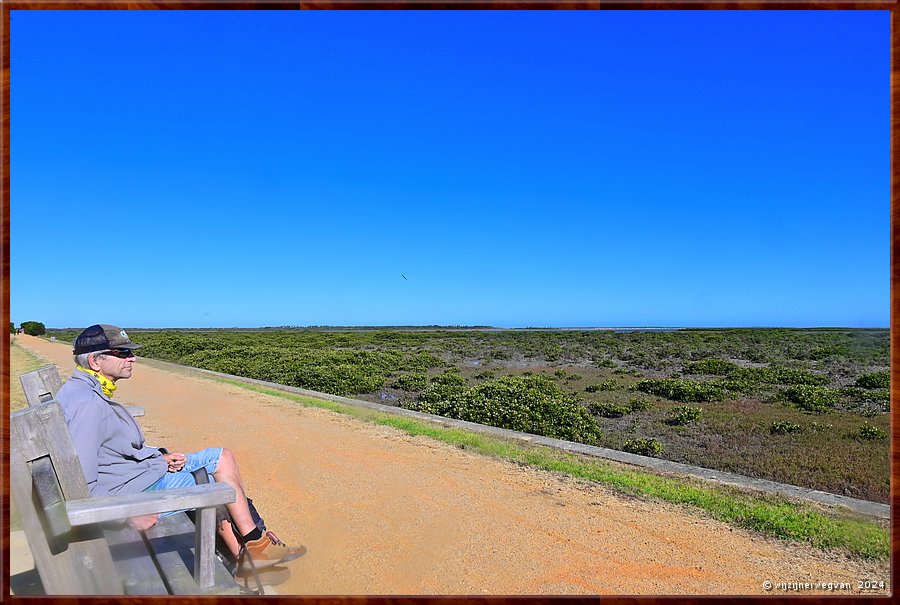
201 168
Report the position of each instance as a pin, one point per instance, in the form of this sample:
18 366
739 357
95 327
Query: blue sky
217 169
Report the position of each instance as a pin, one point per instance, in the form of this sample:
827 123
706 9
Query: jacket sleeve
85 430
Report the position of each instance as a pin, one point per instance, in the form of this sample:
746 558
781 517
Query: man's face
115 364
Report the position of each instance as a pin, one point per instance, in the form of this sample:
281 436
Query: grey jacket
109 443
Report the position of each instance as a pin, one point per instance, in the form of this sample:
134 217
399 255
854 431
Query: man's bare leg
227 472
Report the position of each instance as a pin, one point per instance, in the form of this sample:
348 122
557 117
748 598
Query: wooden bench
83 545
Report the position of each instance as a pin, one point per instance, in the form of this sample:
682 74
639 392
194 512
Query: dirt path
385 513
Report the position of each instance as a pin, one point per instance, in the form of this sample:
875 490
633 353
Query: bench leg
205 548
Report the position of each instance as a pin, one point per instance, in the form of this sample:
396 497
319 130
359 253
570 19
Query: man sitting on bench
115 459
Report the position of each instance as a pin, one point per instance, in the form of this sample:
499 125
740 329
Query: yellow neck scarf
106 384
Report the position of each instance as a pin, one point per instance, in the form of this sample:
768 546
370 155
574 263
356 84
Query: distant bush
812 398
779 375
422 361
741 380
784 428
563 375
717 367
867 431
609 410
12 328
486 375
863 395
606 385
606 363
33 328
443 388
681 389
684 414
875 380
644 447
552 351
532 404
636 404
415 381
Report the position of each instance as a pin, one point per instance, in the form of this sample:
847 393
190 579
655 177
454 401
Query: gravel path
385 513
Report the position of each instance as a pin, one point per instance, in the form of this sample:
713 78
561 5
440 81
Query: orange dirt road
385 513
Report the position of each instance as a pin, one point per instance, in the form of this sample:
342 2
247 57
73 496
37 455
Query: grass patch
20 361
768 515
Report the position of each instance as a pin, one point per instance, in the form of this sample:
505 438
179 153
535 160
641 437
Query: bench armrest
120 507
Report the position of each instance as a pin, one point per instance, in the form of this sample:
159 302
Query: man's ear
92 362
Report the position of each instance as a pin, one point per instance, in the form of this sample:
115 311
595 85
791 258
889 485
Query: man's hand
175 461
145 522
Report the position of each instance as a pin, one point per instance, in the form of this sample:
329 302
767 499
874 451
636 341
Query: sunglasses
120 353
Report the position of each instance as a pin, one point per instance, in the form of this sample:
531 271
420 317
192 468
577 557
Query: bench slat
133 561
41 385
51 498
169 541
113 508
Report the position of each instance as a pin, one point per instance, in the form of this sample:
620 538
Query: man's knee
226 460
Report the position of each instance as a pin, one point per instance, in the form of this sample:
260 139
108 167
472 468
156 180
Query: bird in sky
403 276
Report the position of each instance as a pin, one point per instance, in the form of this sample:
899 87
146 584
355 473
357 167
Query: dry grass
20 361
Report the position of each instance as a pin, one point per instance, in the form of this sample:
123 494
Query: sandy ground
385 513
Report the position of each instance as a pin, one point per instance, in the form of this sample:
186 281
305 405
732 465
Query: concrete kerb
864 507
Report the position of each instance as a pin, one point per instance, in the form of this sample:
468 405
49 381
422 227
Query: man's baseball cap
101 337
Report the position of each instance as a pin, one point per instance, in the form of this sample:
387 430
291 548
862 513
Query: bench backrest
41 385
44 472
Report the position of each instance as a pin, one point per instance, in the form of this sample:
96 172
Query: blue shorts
208 458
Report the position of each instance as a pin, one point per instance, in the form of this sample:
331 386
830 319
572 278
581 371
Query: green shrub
875 380
741 380
636 404
644 447
486 375
33 328
606 385
778 375
860 395
812 398
443 387
718 367
415 381
560 373
609 410
606 363
684 414
783 427
681 389
532 404
12 328
867 431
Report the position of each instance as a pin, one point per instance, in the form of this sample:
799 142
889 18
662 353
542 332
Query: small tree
34 328
12 328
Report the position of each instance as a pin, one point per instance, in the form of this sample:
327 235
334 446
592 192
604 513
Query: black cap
101 337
